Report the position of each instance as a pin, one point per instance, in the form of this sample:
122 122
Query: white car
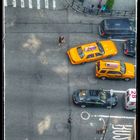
130 99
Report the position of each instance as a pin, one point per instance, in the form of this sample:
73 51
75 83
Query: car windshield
80 52
122 68
100 47
103 96
82 95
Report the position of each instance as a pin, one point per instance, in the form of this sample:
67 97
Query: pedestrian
91 8
103 8
61 40
69 120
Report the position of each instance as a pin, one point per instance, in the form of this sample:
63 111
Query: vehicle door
90 57
99 103
90 102
114 74
98 56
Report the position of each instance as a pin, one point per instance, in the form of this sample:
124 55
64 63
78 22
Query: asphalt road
39 79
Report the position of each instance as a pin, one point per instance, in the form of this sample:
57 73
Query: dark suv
129 47
94 97
117 28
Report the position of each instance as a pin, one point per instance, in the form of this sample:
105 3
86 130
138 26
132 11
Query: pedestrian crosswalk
38 4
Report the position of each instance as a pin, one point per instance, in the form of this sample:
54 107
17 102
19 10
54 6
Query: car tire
109 56
127 79
83 106
83 63
103 78
108 107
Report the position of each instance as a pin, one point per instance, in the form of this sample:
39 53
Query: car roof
90 48
132 91
110 64
117 24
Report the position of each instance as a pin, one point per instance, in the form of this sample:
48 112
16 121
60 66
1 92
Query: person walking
61 40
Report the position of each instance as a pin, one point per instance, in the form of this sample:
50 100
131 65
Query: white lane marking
87 115
38 4
118 39
54 4
5 2
121 132
30 4
118 117
14 3
22 4
46 4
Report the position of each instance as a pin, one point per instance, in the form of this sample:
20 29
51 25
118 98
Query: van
117 28
130 99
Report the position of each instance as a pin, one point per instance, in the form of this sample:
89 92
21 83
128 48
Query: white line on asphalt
118 39
30 4
85 113
5 2
119 117
14 3
46 4
54 4
22 4
38 4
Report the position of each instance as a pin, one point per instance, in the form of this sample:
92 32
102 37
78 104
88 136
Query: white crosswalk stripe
38 4
5 2
54 4
22 4
14 3
46 4
30 4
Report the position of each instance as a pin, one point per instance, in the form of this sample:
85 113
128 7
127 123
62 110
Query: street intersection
40 79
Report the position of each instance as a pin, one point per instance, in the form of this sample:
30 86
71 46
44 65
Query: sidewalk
118 11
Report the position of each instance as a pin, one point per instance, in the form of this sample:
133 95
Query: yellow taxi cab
115 69
92 51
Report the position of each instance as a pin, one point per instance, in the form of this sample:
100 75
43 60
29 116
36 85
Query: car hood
109 47
74 54
130 69
113 100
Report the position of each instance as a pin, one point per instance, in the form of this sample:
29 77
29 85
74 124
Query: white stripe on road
46 4
5 2
118 39
30 4
38 4
117 117
14 3
54 4
22 4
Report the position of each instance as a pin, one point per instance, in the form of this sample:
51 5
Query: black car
129 47
117 28
98 97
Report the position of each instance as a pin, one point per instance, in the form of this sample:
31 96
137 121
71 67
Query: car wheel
109 56
103 78
127 79
108 107
83 106
83 63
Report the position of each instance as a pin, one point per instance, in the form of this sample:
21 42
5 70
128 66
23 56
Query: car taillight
126 51
103 33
